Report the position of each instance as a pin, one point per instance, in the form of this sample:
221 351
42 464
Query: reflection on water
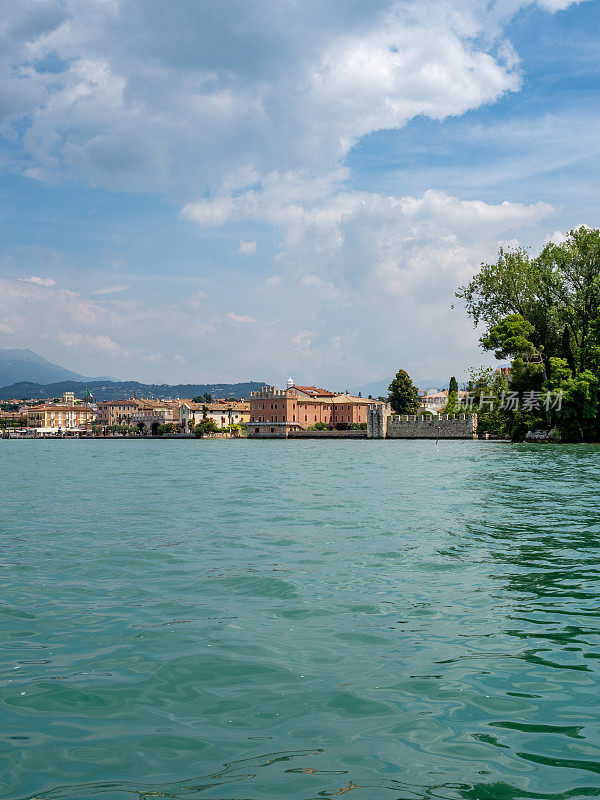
246 770
387 619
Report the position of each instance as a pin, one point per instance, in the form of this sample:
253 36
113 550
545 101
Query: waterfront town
269 412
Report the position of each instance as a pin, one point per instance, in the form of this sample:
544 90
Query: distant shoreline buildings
277 412
297 410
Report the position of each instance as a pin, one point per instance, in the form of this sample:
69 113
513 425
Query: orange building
117 412
50 418
274 412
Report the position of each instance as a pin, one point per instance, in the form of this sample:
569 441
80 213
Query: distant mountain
116 390
375 388
25 365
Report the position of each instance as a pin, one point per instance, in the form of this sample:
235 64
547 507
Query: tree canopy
543 313
404 395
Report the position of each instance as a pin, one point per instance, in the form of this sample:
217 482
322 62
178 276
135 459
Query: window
305 418
315 417
272 430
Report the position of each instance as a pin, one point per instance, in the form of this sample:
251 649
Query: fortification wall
377 418
425 427
327 435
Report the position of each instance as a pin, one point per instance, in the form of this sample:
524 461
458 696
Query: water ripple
381 632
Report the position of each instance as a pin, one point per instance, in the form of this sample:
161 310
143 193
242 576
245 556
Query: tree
204 427
486 388
515 284
167 427
452 404
544 314
404 395
577 416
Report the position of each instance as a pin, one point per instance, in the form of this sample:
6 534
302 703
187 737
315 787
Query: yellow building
53 418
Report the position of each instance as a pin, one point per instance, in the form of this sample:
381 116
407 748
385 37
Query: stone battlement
268 393
385 426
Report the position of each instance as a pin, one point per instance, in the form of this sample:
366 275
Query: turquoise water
299 620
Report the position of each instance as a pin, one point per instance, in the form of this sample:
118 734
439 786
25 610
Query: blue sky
209 191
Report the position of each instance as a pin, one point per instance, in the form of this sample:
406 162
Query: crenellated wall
382 426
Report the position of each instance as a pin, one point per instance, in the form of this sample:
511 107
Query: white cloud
245 113
240 317
557 5
112 289
39 281
208 212
247 248
558 237
106 344
215 98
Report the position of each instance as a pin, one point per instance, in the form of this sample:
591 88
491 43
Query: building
151 414
48 418
222 412
117 412
12 417
276 412
435 402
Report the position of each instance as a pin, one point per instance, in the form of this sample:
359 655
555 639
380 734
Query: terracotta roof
118 403
234 405
349 398
50 407
314 392
191 405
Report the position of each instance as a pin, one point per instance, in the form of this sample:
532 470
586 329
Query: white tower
290 383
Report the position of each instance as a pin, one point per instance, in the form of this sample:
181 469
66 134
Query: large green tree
544 314
404 395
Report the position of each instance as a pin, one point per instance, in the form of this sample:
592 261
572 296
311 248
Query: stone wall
327 435
377 417
267 430
425 427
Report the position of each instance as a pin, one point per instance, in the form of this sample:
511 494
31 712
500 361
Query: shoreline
336 437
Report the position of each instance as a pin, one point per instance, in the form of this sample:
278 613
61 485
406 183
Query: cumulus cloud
244 115
215 98
112 289
240 317
247 248
557 5
39 281
365 282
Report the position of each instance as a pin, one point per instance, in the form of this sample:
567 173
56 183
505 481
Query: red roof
314 392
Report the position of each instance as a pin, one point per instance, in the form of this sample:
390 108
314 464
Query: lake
299 619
